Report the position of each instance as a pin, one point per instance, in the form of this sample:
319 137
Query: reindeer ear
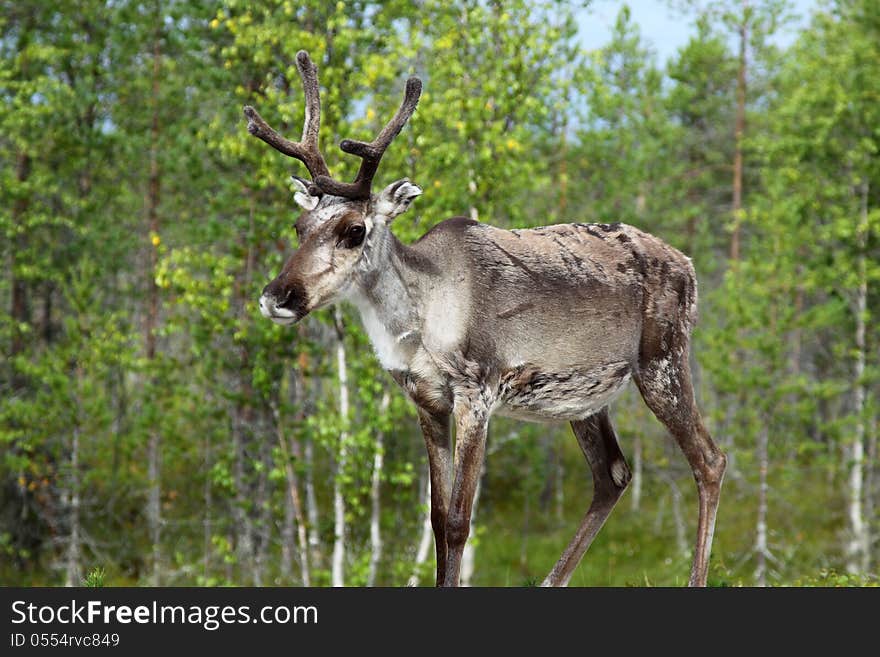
302 196
395 198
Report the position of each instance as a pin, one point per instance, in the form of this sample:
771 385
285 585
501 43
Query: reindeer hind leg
665 384
611 474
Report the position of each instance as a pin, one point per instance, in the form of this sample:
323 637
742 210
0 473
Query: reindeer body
544 324
519 311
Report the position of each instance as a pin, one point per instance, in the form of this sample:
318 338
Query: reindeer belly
529 393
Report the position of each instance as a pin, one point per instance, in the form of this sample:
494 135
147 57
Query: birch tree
825 156
337 573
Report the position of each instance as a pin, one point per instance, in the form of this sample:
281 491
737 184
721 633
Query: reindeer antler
372 152
306 150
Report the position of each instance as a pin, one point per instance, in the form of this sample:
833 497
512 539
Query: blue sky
663 29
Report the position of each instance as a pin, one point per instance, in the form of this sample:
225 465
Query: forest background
155 429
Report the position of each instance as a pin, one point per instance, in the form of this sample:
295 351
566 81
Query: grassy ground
518 542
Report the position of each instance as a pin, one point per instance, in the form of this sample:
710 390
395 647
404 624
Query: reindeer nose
282 301
269 302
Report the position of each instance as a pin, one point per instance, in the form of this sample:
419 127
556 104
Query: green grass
95 578
806 514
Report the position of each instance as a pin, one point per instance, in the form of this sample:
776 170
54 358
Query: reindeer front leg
471 420
435 428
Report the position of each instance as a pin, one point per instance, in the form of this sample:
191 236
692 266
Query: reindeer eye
354 235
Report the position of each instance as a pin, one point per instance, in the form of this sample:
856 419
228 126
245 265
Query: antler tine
306 150
372 152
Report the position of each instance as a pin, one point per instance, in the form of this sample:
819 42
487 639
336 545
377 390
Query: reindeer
544 324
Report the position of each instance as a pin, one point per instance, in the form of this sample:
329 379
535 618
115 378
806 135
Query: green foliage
95 578
518 125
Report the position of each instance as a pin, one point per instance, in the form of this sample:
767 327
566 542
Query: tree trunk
551 487
468 557
761 549
797 331
294 513
74 547
315 556
375 498
560 485
562 199
858 549
739 134
154 510
337 568
247 482
288 538
681 542
636 487
425 539
732 403
871 492
243 529
470 145
263 524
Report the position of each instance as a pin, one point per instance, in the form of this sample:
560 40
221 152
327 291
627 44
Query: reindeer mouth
284 321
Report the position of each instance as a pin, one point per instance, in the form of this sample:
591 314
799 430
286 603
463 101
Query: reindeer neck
387 295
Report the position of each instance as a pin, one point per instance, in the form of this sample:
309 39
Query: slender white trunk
375 516
337 569
295 496
248 479
468 557
312 503
470 151
472 189
375 498
316 552
659 518
301 538
74 551
262 531
677 518
425 539
288 533
294 521
728 436
560 486
858 549
636 486
761 549
154 509
241 511
871 492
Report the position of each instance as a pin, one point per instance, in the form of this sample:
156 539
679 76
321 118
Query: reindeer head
340 220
